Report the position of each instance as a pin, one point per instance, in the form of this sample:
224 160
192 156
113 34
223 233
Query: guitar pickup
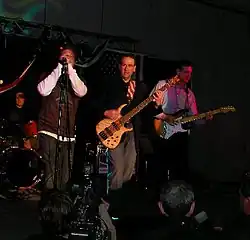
103 135
115 126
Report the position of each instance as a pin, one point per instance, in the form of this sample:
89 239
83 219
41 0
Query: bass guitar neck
110 132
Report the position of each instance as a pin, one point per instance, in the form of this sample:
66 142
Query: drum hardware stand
32 186
102 159
85 220
23 193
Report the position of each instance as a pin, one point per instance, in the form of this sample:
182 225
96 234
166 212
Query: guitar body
165 130
111 139
169 130
158 126
110 132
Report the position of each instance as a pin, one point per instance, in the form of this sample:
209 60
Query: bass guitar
165 130
110 131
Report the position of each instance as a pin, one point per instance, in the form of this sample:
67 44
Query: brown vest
48 117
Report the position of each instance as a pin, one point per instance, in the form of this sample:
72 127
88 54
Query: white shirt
46 86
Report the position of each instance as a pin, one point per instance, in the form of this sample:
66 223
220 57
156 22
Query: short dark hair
68 46
54 209
184 63
176 198
20 95
128 55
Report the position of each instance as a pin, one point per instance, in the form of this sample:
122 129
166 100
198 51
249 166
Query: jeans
123 159
57 174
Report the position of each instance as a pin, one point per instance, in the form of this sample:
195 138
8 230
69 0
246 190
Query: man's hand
105 203
158 98
27 144
112 114
168 118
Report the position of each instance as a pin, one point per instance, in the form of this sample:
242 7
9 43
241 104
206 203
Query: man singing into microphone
57 139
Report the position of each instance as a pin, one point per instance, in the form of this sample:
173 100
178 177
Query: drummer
16 113
17 118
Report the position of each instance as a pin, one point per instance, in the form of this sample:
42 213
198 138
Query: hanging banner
17 81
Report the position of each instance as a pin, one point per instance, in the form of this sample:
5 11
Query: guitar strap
186 101
186 104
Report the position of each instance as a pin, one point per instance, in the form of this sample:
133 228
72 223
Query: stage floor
136 211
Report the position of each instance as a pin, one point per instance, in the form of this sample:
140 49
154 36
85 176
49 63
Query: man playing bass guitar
118 90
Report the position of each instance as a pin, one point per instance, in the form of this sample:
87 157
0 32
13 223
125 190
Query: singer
56 124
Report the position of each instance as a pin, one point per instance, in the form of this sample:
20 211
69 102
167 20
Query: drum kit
20 163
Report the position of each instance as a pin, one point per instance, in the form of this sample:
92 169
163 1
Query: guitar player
118 90
175 149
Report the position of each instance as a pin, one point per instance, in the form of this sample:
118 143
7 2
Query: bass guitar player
117 91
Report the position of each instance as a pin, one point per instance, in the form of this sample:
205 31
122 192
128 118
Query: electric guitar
110 131
165 130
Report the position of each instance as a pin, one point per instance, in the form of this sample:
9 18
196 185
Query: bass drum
21 167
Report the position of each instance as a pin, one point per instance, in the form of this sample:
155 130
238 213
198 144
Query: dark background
215 39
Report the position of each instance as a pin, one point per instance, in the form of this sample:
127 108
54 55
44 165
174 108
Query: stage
135 208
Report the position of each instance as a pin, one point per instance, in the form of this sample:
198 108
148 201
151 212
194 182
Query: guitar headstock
171 82
227 109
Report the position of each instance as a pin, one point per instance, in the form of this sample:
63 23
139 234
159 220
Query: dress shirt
177 98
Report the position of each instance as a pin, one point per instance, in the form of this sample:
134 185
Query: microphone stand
63 100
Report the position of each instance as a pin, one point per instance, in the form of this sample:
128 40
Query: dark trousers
169 162
57 173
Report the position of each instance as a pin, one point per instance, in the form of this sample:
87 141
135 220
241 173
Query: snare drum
21 167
